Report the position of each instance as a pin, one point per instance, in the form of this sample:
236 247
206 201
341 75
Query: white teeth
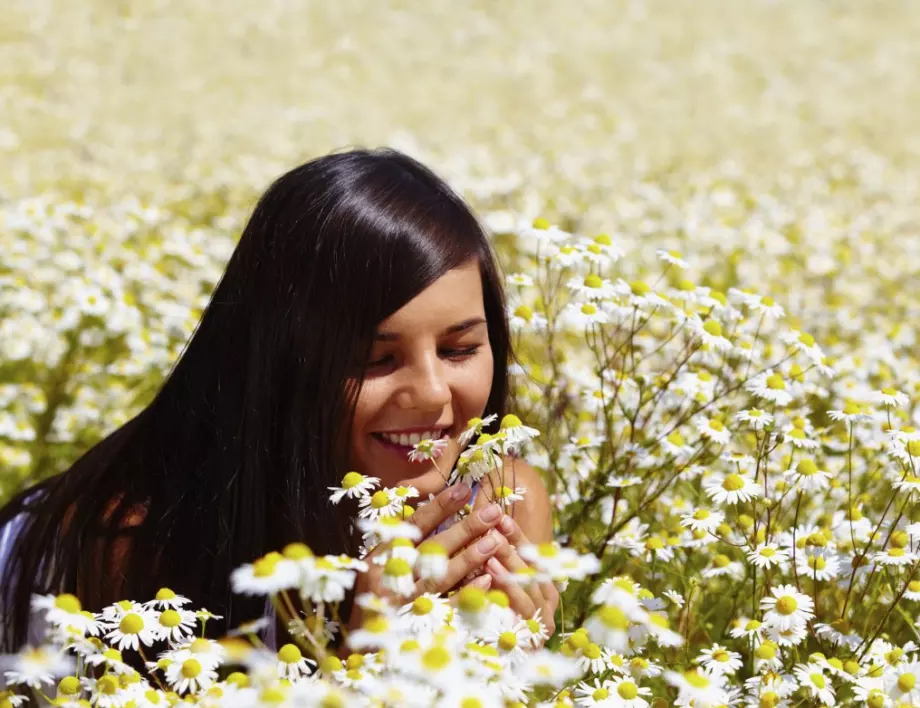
409 439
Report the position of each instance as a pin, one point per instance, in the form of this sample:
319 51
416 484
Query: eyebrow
453 329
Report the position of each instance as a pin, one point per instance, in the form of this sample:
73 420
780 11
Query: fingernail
487 544
506 525
483 581
460 491
496 568
490 513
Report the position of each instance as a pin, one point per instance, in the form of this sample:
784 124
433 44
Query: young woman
362 305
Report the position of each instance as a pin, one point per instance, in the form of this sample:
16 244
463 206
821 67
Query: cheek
370 401
473 386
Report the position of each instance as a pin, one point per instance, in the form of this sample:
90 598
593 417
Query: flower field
707 214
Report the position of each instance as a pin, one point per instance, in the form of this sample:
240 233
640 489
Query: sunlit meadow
707 215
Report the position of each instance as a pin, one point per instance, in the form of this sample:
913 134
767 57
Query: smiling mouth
403 443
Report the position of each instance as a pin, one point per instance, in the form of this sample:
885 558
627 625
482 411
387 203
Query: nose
427 387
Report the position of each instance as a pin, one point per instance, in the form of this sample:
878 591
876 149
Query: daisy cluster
707 215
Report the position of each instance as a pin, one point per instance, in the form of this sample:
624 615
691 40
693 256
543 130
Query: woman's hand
524 600
468 544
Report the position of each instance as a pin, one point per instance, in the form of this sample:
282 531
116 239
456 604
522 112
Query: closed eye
452 354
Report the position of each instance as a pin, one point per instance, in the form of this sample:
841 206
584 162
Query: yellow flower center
786 605
507 640
775 382
695 679
593 281
191 668
713 327
289 654
435 658
397 567
701 514
107 684
68 603
69 686
591 651
627 690
352 480
524 312
817 680
600 694
639 287
422 606
131 623
613 617
380 499
732 483
170 618
767 552
588 309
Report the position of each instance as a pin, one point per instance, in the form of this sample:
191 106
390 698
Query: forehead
452 298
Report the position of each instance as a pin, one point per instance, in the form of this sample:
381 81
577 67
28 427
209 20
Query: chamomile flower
292 664
521 280
426 450
425 613
798 438
697 688
719 659
176 625
546 668
432 561
769 386
516 433
525 318
475 427
167 599
592 287
702 519
327 579
894 556
383 502
713 429
818 566
268 575
768 555
852 412
732 489
354 485
711 332
135 629
890 398
745 628
584 315
807 477
755 418
388 528
34 666
189 675
812 678
903 683
787 608
674 258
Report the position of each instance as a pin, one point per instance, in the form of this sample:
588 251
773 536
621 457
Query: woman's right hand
469 544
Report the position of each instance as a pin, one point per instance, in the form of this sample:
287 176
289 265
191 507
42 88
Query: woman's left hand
524 600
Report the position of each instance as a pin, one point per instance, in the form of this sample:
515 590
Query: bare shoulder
533 513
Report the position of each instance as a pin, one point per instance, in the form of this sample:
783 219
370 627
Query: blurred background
775 143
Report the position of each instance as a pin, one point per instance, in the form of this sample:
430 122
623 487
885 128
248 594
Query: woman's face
429 372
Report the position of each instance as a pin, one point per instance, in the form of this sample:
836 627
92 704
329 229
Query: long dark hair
234 455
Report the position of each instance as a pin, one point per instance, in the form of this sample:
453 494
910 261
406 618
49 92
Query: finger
470 527
449 501
516 537
472 557
520 599
509 560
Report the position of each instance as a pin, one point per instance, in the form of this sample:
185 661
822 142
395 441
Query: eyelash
453 354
